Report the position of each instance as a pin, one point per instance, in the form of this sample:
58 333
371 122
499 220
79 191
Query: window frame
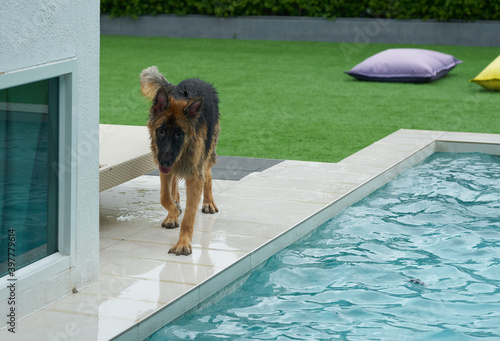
64 259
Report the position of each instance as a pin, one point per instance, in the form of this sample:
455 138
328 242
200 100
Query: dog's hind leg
208 199
167 201
194 187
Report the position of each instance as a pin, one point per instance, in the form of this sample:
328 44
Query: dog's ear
161 101
194 107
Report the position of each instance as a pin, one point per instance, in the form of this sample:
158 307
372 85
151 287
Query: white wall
34 33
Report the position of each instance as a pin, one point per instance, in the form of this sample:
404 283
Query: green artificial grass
291 100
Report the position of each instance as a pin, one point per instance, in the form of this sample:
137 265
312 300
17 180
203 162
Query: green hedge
396 9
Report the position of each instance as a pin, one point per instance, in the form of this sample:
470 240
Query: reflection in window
28 178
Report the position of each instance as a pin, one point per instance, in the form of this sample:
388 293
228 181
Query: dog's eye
160 131
179 134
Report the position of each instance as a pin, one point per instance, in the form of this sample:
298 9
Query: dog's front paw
170 223
172 220
181 249
210 208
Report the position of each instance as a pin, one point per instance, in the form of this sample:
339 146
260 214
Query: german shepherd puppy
184 130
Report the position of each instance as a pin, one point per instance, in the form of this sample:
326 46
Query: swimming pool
417 259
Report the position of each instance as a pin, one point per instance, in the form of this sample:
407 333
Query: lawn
291 100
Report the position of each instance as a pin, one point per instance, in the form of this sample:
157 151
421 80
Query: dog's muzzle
165 170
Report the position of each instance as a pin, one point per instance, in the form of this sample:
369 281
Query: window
28 181
37 171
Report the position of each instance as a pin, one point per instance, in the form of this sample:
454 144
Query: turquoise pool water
419 259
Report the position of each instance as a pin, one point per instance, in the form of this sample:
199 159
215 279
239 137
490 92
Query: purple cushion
404 65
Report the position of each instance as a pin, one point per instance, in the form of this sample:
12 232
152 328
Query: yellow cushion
489 78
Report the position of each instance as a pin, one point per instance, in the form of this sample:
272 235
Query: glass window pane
28 171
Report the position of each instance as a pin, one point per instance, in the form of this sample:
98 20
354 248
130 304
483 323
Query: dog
184 130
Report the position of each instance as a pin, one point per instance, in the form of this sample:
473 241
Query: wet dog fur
184 129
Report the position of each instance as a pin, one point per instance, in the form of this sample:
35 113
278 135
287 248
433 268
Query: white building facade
49 146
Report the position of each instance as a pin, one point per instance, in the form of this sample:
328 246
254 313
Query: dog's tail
152 80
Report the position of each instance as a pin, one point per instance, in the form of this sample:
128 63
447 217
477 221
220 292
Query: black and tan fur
184 130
